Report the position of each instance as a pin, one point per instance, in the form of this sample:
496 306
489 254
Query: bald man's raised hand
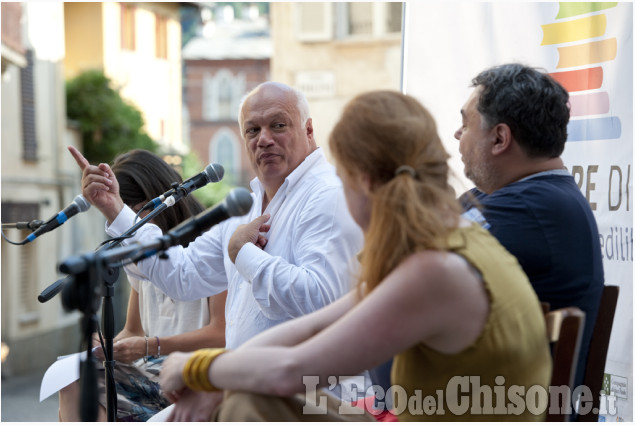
99 186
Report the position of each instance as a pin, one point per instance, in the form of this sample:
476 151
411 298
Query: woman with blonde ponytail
436 293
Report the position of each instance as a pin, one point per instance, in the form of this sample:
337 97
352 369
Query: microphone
31 225
79 204
211 174
237 202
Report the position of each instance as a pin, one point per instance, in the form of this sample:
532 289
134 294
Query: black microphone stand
82 272
85 297
238 202
87 300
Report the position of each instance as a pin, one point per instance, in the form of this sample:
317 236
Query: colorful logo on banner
590 106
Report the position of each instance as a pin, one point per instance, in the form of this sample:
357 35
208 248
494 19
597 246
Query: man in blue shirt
513 132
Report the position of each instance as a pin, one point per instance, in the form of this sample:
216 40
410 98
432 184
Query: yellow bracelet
196 370
200 369
189 371
198 361
200 372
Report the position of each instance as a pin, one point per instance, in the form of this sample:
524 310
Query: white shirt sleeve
324 241
188 273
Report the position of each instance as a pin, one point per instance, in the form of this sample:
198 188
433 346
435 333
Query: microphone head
214 172
238 202
81 203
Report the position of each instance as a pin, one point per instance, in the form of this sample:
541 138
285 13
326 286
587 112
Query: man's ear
309 127
502 138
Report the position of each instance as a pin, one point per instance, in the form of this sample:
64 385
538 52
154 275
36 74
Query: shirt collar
555 172
314 158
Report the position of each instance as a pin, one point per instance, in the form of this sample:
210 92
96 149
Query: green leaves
109 125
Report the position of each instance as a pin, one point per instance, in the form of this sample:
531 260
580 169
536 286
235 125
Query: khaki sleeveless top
505 373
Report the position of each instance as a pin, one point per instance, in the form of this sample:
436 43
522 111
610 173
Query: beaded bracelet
145 358
158 347
195 372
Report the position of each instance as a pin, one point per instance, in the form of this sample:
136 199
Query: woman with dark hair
143 176
436 293
156 325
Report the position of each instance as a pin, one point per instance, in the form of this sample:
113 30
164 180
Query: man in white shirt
292 254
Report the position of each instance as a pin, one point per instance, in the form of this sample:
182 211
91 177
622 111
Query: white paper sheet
60 374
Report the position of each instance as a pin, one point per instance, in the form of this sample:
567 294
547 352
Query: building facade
138 46
226 61
334 51
39 178
330 51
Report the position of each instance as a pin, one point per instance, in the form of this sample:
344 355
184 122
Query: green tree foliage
210 194
108 124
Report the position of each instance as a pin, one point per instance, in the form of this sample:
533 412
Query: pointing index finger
79 158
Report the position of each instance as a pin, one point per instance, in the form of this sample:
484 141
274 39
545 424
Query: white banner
588 47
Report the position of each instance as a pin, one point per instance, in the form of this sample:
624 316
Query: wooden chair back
598 348
546 307
564 330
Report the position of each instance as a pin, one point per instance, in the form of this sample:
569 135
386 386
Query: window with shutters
393 17
314 21
26 260
224 149
27 88
360 19
222 93
127 27
225 100
27 284
317 21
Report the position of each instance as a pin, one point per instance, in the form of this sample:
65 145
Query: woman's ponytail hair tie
406 169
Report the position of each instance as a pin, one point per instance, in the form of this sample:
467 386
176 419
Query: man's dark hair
530 102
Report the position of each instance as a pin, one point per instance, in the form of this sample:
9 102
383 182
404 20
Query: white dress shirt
309 260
